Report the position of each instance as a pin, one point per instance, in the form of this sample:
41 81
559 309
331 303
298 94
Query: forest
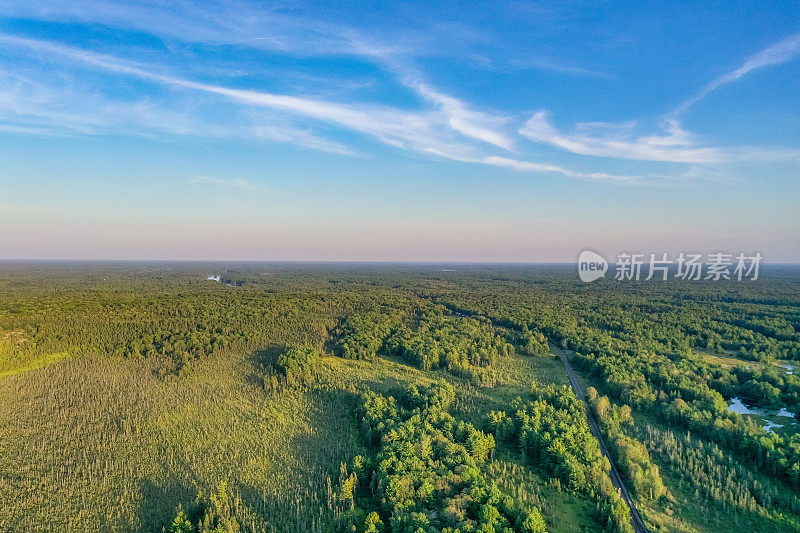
365 398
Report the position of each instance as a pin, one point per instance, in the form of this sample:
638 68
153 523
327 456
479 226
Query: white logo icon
591 266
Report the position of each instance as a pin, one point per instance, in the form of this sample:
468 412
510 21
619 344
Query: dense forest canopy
393 398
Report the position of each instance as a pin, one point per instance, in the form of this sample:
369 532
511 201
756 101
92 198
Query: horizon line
329 261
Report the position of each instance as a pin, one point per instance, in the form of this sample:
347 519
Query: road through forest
636 519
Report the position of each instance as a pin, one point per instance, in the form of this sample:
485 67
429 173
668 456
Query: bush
297 362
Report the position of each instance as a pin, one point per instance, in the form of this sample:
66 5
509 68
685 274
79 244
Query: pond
737 406
789 366
770 424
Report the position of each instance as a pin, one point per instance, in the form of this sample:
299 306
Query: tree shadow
329 345
160 502
262 364
317 455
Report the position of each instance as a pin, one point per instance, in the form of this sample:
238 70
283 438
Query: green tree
181 524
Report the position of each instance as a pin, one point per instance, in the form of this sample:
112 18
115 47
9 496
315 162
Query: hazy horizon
226 262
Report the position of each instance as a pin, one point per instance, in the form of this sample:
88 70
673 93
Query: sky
398 131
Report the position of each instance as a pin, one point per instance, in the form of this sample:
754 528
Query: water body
737 406
226 281
790 368
770 424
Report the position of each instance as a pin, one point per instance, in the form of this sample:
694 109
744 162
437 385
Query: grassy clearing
517 373
725 361
16 366
104 445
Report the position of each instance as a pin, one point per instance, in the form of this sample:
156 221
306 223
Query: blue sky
446 131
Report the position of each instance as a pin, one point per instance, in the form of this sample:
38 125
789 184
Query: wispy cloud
475 124
618 141
216 22
527 166
433 132
224 182
61 106
674 144
26 130
396 127
776 54
301 31
277 131
541 168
